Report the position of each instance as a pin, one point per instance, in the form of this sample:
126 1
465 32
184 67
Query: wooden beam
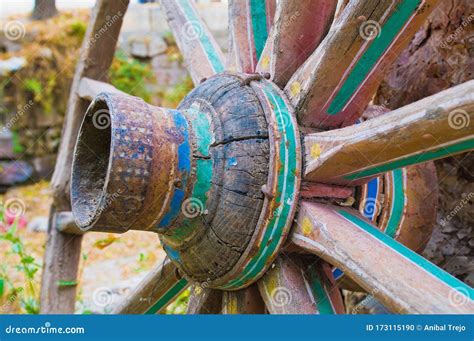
333 87
201 53
249 24
89 88
95 58
204 301
63 251
244 301
158 289
435 127
298 29
398 277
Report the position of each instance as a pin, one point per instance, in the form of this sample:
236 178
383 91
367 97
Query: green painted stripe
323 301
201 126
258 14
286 186
369 59
207 46
398 203
426 265
413 159
168 296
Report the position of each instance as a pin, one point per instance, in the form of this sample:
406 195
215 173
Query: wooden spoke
333 87
399 278
249 24
298 29
244 301
292 287
155 292
200 51
204 301
432 128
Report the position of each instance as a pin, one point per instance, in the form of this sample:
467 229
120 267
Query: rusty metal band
283 185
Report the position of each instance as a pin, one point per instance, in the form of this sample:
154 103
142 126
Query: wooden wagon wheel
255 182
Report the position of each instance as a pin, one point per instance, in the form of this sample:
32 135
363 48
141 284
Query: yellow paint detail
265 62
295 88
197 290
316 150
306 226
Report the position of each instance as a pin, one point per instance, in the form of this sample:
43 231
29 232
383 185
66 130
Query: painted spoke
204 301
200 51
298 29
435 127
399 278
244 301
333 87
292 287
158 289
249 24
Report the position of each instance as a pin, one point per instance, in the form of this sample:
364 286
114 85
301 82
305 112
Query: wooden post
434 127
62 253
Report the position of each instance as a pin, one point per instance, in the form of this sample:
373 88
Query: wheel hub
217 179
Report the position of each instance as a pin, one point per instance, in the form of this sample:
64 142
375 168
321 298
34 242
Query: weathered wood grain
244 301
399 278
62 250
201 53
249 24
160 286
89 88
61 263
333 87
298 28
435 127
291 286
204 301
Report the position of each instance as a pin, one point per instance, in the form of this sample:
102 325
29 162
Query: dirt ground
110 263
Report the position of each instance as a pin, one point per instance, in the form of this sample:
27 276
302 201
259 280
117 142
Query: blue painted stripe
371 200
184 168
